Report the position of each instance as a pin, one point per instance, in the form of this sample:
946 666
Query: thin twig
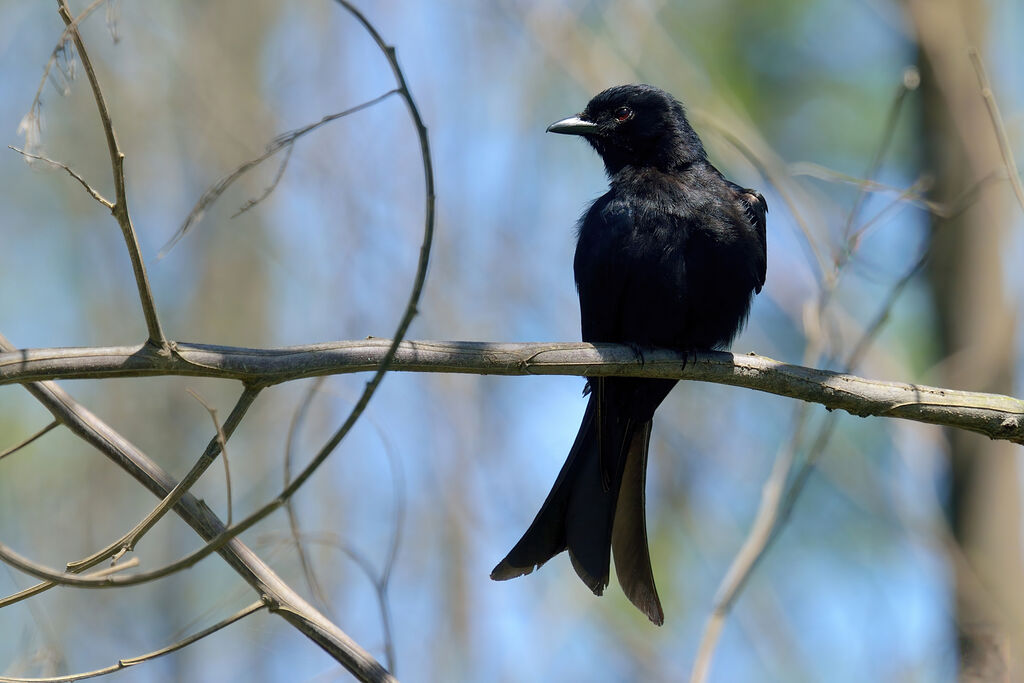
381 581
132 661
997 123
37 101
128 542
384 583
283 141
269 188
911 81
222 441
820 172
47 585
17 447
88 188
293 520
948 209
120 207
746 558
31 124
856 236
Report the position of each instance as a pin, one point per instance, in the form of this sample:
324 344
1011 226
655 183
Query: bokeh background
899 562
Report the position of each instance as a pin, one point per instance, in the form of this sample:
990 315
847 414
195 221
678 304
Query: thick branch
999 417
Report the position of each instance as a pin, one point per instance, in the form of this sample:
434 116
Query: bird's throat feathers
672 152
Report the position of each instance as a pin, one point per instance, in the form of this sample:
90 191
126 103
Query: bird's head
636 125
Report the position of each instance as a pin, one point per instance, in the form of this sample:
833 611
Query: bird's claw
638 353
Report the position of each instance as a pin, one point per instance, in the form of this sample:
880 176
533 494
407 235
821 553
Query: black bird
671 257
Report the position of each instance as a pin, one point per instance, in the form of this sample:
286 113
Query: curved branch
999 417
132 661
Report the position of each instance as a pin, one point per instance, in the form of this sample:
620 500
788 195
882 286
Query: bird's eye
623 114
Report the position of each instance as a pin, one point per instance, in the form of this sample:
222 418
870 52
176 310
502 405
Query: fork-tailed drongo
670 256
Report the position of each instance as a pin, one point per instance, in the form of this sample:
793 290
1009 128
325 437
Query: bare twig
948 209
132 661
855 236
269 188
47 585
381 580
18 446
284 141
120 207
911 81
384 582
222 442
743 563
821 172
88 188
128 542
997 123
32 119
293 520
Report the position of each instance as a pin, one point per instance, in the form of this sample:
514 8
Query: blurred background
900 561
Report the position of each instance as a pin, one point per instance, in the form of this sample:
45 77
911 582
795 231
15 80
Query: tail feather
547 535
629 532
596 506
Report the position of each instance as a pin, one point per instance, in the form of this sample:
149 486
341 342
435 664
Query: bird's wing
600 277
601 283
755 209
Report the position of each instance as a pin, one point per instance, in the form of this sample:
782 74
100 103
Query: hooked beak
573 125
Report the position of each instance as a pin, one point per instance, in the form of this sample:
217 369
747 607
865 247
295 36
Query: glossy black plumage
670 256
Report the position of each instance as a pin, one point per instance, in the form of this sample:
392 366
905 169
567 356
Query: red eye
623 114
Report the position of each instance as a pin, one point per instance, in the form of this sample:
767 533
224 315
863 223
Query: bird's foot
638 353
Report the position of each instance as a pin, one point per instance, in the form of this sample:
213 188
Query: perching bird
671 257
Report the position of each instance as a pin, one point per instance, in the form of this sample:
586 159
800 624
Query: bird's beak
573 125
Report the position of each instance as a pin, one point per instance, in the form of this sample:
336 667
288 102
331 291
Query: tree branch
132 661
999 417
120 206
